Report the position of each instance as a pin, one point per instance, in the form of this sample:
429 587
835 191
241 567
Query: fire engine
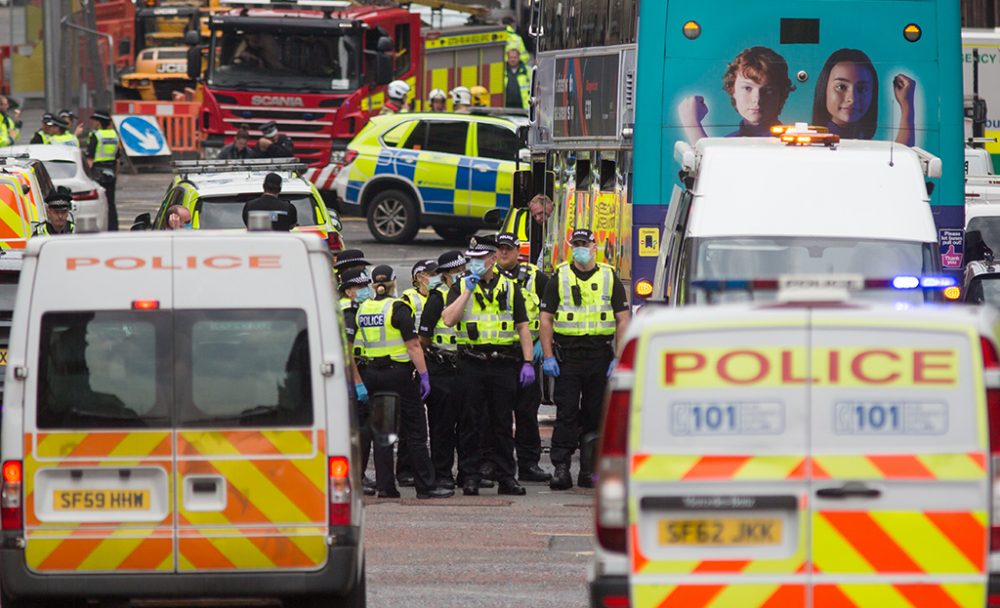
319 70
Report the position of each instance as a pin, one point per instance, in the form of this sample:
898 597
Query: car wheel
454 235
393 217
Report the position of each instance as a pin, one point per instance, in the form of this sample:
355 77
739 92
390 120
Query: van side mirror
384 418
143 221
194 62
494 217
383 61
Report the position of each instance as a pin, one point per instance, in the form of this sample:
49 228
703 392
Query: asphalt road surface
475 552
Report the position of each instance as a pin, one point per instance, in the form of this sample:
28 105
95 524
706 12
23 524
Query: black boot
561 479
510 487
535 473
470 487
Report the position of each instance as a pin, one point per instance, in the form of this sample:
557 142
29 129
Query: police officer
488 311
283 213
355 287
532 282
272 143
102 159
75 126
10 122
61 134
44 135
394 360
396 92
584 310
346 260
57 206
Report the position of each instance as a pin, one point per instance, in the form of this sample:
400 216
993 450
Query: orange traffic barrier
178 120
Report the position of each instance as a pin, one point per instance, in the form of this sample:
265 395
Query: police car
185 431
800 454
64 165
441 170
216 191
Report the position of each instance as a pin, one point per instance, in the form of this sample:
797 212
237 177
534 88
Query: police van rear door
98 445
899 486
251 448
718 446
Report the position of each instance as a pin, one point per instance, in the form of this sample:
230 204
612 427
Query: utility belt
511 354
441 357
386 362
581 351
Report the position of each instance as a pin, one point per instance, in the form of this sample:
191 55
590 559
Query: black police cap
350 257
354 277
450 260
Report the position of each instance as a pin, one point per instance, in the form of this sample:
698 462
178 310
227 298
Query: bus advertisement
734 69
731 69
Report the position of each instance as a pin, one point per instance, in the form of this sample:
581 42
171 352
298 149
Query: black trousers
403 465
578 394
490 394
399 378
110 184
443 406
526 437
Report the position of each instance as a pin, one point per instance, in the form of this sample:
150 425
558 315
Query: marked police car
216 191
185 431
441 170
805 452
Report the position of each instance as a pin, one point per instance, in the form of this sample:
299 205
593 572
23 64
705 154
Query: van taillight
991 363
11 515
612 466
340 491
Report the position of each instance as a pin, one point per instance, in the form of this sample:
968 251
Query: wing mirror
494 217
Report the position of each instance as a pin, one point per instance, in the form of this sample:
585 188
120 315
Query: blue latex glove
611 367
550 367
471 281
537 353
425 385
362 392
527 374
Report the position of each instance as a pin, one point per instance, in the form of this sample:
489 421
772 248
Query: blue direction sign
141 136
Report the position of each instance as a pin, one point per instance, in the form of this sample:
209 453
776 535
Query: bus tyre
455 235
393 217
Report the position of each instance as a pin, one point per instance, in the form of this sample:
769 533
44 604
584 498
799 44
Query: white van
800 455
176 423
759 208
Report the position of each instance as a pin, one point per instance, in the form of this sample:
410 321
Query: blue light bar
905 282
942 282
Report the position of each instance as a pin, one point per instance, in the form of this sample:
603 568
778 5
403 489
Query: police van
790 454
176 423
765 207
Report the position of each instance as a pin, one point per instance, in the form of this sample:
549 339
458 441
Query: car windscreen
774 257
226 212
293 60
196 368
984 289
60 169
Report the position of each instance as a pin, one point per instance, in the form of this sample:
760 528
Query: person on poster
758 85
846 99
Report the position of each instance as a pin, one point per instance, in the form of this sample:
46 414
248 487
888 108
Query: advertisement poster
586 97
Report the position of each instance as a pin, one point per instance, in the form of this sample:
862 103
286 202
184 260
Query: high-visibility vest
527 277
13 133
345 303
107 146
516 42
493 316
594 315
416 301
444 338
45 137
6 137
66 139
375 331
43 229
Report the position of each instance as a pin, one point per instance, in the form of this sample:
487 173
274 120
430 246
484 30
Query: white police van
177 423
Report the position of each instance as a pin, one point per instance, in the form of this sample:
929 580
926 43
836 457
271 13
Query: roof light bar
848 282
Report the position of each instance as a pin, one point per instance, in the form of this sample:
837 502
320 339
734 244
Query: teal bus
868 69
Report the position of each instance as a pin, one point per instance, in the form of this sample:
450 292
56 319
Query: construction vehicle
319 70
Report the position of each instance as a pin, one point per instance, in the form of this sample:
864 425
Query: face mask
434 282
476 267
581 255
363 294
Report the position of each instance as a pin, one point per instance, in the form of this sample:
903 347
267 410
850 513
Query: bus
726 69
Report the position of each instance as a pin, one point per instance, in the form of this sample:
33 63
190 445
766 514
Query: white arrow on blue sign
141 135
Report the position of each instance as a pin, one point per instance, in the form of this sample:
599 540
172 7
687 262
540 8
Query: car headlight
337 157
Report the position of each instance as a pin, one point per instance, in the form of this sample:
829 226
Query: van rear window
191 368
